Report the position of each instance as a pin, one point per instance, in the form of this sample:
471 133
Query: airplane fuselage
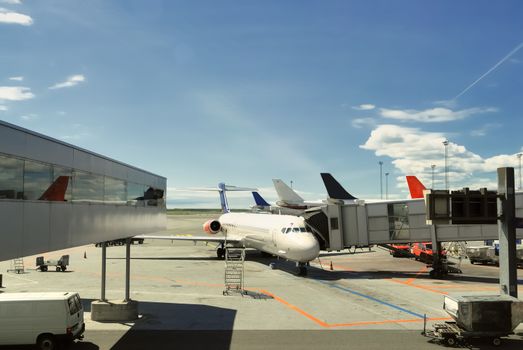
285 236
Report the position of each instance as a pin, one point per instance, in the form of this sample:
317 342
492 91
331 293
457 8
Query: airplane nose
309 248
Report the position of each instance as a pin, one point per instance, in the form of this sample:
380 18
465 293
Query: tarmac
362 298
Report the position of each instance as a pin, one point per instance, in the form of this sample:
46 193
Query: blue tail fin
334 189
259 200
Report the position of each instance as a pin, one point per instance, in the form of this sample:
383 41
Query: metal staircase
17 266
234 260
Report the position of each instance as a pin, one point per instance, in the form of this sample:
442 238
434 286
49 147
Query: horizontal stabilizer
334 189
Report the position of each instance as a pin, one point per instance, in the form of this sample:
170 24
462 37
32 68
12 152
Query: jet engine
212 227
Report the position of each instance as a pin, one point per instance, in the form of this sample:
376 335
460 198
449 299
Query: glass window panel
59 171
37 179
11 177
398 221
87 187
135 192
115 190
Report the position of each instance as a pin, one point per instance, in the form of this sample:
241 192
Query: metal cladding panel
135 176
48 151
420 234
418 221
99 165
335 234
59 225
11 234
378 223
116 170
350 225
12 141
416 207
36 235
377 209
379 237
363 236
82 160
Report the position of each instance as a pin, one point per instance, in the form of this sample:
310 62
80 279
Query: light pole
381 178
519 158
446 143
386 185
291 184
432 167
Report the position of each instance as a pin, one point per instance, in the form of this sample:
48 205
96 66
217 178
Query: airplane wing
217 239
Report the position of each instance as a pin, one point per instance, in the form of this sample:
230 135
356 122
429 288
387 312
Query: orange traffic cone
331 266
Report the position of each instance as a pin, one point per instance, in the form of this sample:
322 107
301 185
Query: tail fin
334 189
285 193
222 188
259 200
56 192
415 187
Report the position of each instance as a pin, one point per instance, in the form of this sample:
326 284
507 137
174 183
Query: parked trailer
487 317
60 264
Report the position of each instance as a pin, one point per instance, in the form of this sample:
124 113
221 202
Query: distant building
54 195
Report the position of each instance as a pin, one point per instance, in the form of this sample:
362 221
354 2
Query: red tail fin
56 192
415 187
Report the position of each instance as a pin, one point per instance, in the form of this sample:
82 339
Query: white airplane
288 198
285 236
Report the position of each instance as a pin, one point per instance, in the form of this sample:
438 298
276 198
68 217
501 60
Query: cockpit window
295 229
283 230
289 230
302 229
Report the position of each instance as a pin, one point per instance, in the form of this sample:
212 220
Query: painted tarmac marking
373 299
352 324
418 286
411 280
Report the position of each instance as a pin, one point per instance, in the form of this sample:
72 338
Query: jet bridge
339 225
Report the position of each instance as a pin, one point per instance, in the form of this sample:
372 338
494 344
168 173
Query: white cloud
15 93
71 81
484 129
364 107
9 17
20 78
413 151
359 123
11 2
433 115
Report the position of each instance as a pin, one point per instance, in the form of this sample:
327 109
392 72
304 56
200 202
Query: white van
44 319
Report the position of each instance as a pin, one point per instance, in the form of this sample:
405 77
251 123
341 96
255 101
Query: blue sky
248 91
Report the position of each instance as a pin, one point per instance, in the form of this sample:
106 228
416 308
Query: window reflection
37 179
115 190
59 175
135 192
87 187
33 180
11 178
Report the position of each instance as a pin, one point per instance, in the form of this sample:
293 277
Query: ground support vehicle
60 264
450 334
44 319
118 242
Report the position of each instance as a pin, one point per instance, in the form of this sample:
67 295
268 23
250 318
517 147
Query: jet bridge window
37 179
11 177
398 221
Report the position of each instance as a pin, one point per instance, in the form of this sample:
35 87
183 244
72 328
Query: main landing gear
301 269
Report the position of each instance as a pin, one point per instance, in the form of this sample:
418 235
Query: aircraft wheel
496 342
64 268
43 268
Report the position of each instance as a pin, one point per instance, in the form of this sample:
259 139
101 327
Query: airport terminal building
54 195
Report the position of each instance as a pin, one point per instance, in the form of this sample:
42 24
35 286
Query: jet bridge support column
439 266
508 279
115 310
